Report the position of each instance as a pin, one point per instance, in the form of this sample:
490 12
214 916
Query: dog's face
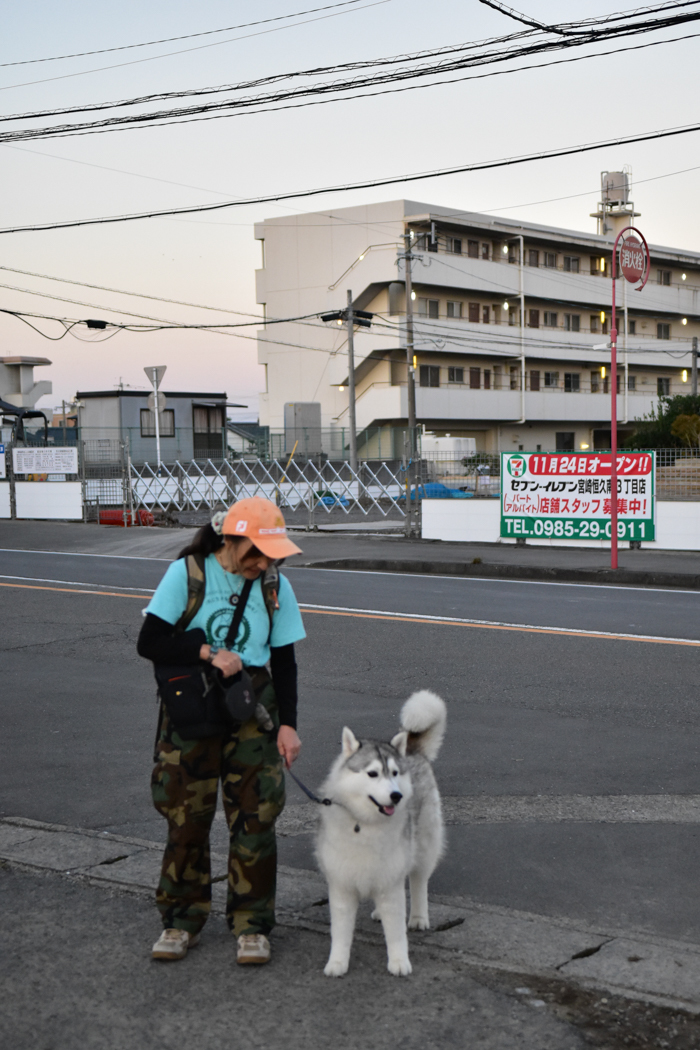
371 778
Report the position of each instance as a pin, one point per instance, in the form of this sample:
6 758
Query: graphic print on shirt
217 629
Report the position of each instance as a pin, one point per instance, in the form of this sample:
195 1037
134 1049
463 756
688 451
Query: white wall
46 499
4 499
479 521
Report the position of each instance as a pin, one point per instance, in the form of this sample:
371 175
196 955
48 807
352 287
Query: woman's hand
228 663
288 744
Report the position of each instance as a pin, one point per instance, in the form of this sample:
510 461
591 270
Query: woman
237 546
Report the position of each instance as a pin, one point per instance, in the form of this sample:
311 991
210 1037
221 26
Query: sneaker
253 948
173 944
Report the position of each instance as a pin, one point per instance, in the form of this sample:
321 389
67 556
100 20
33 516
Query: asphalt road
531 712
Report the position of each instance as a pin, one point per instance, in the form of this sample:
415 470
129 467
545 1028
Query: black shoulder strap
196 585
238 614
270 585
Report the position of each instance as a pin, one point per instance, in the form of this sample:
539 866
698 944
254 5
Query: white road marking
421 617
79 583
80 554
299 818
489 579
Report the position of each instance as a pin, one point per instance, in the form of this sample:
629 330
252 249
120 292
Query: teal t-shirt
216 612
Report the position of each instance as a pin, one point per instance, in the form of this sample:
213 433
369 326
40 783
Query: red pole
613 418
643 278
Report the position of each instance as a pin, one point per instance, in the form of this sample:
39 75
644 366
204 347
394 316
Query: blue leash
309 793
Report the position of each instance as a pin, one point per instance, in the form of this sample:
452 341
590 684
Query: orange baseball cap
262 522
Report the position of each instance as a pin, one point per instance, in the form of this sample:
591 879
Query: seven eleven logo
516 466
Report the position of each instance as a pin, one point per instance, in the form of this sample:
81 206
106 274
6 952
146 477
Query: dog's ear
350 742
400 741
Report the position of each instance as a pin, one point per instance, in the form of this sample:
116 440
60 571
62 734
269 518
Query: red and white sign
632 260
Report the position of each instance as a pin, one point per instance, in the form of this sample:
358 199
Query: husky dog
383 825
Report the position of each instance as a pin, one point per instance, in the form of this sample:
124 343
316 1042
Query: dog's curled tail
424 716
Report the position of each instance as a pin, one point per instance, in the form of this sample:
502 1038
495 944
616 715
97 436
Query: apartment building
511 324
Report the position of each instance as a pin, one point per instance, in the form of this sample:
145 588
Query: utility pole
351 387
694 373
410 388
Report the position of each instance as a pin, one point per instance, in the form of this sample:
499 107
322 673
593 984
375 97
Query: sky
210 260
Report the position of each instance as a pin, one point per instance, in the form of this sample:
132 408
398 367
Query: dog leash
309 793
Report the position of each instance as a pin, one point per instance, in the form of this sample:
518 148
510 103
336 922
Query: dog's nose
396 797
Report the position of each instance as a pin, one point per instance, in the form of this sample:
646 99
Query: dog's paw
419 922
400 967
335 968
376 915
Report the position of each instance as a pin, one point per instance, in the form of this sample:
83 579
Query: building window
166 423
454 245
455 375
473 249
566 441
572 322
632 327
429 308
550 319
454 309
595 323
572 382
514 377
498 377
663 277
474 378
487 379
595 382
513 253
533 257
534 379
572 263
550 260
551 379
514 315
663 331
631 382
429 375
485 250
474 312
534 318
663 386
208 424
486 315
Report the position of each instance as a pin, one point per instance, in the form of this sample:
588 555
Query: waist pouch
202 703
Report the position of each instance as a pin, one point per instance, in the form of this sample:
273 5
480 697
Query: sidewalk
385 553
483 938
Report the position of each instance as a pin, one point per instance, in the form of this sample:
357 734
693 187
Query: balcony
496 278
385 401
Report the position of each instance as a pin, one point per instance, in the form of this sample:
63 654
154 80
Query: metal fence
308 492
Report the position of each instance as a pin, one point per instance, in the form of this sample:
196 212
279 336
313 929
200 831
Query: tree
657 429
687 430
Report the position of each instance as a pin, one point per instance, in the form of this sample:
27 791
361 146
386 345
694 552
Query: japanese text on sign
568 496
45 460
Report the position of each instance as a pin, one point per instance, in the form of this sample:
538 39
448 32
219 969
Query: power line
622 140
200 47
522 44
172 39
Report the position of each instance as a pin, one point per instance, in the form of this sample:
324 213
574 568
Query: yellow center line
404 619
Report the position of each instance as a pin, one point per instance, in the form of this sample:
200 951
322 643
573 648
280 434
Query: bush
671 426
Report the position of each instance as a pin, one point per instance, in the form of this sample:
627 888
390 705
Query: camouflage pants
184 786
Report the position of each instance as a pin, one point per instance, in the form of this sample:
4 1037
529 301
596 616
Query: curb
620 577
635 965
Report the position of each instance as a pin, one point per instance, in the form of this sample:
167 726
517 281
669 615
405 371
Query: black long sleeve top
158 643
